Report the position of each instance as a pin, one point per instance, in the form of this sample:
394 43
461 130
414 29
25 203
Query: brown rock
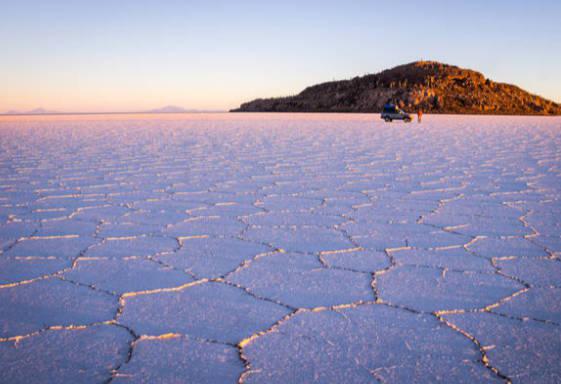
434 87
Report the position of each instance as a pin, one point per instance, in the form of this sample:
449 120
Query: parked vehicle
392 112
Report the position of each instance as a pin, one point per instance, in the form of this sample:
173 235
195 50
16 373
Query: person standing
419 115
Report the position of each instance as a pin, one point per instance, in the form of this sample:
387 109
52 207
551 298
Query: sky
102 56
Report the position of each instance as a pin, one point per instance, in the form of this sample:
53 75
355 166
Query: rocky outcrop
431 86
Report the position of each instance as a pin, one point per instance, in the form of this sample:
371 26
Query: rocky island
428 85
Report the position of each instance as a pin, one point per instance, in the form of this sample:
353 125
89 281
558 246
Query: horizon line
115 113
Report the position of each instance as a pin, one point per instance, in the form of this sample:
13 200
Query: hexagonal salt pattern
433 289
51 302
523 351
175 358
67 355
371 343
279 248
212 311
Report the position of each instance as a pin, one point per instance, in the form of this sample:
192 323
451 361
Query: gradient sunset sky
135 55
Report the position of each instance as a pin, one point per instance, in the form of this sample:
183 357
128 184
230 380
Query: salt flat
264 248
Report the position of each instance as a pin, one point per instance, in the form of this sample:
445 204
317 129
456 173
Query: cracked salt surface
301 281
279 248
51 302
433 289
72 355
362 345
207 257
523 351
178 359
210 310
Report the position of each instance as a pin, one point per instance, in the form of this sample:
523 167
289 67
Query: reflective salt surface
267 248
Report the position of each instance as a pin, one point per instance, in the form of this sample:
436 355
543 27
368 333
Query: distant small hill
36 111
431 86
169 109
176 109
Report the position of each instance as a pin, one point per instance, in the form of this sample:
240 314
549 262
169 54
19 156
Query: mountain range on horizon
165 109
35 111
427 85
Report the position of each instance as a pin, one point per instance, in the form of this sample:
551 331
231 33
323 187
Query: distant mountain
36 111
166 109
169 109
431 86
176 109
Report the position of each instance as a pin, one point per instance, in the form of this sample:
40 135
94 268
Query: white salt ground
274 248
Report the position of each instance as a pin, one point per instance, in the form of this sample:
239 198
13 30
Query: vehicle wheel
388 120
407 120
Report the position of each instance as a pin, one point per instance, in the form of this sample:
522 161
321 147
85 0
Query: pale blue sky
134 55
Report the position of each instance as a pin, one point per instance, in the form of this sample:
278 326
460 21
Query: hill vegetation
431 86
